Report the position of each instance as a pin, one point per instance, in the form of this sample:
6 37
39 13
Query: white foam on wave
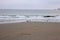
15 19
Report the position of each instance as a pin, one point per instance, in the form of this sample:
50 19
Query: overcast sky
29 4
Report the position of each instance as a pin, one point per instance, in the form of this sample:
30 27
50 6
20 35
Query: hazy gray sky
29 4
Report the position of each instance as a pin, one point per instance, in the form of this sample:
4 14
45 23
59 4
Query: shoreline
14 22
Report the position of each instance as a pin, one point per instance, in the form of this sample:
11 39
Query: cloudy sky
29 4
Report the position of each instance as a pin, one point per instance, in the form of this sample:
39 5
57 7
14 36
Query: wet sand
30 31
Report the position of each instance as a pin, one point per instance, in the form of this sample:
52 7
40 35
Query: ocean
28 12
25 15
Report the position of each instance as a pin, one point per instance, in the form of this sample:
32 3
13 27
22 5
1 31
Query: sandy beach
30 31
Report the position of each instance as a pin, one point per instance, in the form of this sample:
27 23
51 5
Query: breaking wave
19 18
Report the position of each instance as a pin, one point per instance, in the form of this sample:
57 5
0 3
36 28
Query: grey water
28 12
23 15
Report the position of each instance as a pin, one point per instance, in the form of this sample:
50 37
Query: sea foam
40 18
